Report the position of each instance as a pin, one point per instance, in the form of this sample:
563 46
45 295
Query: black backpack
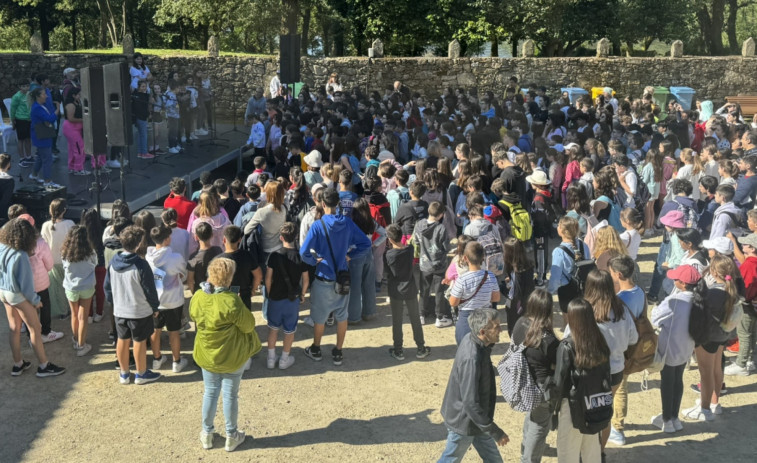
577 278
590 396
253 243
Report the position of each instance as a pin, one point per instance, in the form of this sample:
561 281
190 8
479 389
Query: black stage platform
146 181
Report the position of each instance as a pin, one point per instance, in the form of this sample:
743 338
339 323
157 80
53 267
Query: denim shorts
74 296
283 314
324 300
11 298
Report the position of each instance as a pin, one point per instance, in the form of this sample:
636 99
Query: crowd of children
532 197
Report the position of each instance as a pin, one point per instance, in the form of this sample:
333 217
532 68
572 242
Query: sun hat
538 178
720 244
313 159
674 219
68 71
750 239
684 273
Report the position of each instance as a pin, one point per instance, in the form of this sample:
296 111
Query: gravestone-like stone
453 50
378 48
676 49
748 48
35 43
128 45
528 49
213 47
603 48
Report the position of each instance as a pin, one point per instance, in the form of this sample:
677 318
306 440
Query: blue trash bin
574 93
684 96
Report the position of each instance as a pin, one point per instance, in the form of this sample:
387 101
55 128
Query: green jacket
19 107
226 335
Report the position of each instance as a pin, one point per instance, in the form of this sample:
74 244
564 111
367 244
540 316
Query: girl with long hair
92 222
605 207
691 243
579 207
572 171
146 221
519 275
606 246
362 300
692 170
73 131
729 173
651 175
54 232
79 262
209 210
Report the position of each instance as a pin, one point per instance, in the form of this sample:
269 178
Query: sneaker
735 370
51 185
336 356
24 163
114 164
64 316
50 370
443 322
146 377
34 178
51 336
83 350
183 139
314 353
750 366
649 233
308 321
82 172
193 137
285 363
157 363
617 437
202 132
716 409
16 371
271 362
697 413
234 440
330 321
75 342
677 425
733 347
652 299
423 352
146 156
173 150
180 365
97 318
397 353
124 378
657 421
206 438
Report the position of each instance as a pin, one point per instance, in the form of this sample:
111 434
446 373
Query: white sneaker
750 366
697 413
180 365
285 363
83 350
233 441
183 139
97 318
657 421
617 437
174 150
443 322
271 362
75 342
735 370
207 439
157 363
113 164
51 336
308 321
201 132
51 185
677 425
716 409
193 137
124 378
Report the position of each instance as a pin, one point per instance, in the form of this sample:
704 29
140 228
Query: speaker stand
233 113
214 140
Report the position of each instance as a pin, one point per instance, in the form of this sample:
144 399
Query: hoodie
218 222
169 270
130 287
724 219
343 235
515 182
431 239
17 276
477 227
409 214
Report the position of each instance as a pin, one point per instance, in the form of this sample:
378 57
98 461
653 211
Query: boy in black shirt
197 265
412 211
248 274
286 282
398 265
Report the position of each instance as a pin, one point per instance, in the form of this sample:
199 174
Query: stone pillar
213 46
676 49
453 50
748 48
35 43
528 49
128 45
603 48
378 48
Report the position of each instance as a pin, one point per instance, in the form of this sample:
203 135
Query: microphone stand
233 112
214 140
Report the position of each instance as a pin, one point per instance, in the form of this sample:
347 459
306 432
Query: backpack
520 220
590 396
253 243
494 260
519 388
404 196
691 215
543 215
577 277
377 215
740 227
641 355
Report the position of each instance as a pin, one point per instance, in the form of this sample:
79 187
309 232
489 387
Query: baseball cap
720 244
750 239
684 273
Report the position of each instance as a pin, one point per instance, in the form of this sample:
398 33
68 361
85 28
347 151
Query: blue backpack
614 218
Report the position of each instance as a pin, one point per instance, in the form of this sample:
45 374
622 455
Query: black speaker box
289 58
93 110
117 104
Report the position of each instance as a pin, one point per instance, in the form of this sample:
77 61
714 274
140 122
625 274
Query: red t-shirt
183 206
749 273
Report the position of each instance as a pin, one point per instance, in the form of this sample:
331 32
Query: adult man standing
275 86
746 189
325 247
255 105
468 406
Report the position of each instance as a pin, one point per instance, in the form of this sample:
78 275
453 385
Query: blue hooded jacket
346 240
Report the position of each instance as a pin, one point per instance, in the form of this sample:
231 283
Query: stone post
528 49
128 45
35 43
453 50
603 48
676 49
748 48
378 48
213 46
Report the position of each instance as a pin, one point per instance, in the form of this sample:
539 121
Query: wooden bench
748 104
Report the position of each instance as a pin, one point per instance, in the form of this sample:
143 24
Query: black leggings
671 391
44 311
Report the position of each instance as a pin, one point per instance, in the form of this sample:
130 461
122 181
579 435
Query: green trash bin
661 96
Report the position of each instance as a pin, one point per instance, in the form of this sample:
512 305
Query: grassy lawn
144 51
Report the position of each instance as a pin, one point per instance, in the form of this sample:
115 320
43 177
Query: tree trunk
733 42
73 31
495 46
291 14
514 46
711 25
305 31
44 27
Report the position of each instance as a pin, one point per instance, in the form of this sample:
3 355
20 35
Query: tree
644 21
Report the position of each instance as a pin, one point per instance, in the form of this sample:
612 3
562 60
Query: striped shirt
466 285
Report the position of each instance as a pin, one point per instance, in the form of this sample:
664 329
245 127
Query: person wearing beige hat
314 163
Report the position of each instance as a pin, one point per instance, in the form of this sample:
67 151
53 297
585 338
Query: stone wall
235 78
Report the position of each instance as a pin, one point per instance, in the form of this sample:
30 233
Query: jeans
671 390
458 445
541 258
415 320
44 163
215 385
536 426
431 283
362 287
173 131
141 136
572 446
747 331
461 327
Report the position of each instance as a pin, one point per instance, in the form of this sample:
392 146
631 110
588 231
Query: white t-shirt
631 181
632 240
